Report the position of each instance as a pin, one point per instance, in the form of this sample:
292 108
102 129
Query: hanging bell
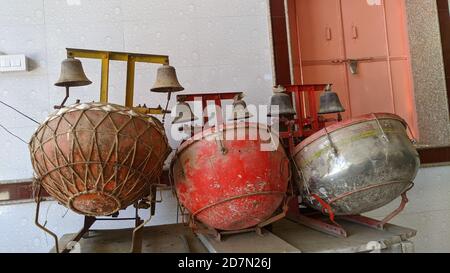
184 113
166 80
283 101
330 103
72 74
240 110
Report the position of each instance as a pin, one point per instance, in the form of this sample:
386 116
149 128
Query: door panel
321 18
364 31
403 94
372 30
396 21
370 91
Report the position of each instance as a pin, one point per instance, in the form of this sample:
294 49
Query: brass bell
240 110
283 101
329 102
166 80
72 74
184 113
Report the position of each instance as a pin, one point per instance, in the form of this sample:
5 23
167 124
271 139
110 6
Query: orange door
361 47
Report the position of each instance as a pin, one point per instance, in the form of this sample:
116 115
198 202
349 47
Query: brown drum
98 158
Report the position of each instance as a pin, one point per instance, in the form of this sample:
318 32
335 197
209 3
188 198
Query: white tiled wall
215 45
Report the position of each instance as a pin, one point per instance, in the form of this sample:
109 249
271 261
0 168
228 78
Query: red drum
98 158
231 184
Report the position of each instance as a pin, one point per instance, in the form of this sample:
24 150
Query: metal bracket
353 64
383 133
130 58
335 229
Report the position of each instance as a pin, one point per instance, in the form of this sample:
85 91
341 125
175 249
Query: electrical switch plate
10 63
4 62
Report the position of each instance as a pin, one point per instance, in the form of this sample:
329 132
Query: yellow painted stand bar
130 58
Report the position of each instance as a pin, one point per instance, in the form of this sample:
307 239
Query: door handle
328 35
354 32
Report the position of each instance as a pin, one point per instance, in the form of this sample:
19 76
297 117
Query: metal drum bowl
98 158
230 183
357 165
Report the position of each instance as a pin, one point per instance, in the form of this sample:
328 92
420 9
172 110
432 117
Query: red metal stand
329 225
304 99
306 123
197 226
218 235
205 97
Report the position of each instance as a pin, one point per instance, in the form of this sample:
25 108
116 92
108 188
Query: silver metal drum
358 165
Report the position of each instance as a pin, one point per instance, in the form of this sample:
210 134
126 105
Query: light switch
4 62
15 61
9 63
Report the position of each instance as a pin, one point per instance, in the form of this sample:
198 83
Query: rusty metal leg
136 242
217 236
153 200
397 211
36 220
200 228
332 229
295 215
88 222
366 221
259 231
138 221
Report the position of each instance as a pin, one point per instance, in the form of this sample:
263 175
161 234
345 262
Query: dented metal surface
231 184
98 158
358 165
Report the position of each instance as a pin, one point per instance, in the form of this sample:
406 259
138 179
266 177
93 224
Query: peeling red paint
255 181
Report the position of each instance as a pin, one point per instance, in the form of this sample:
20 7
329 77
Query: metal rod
14 135
88 222
169 95
381 128
36 220
335 151
129 97
136 241
105 79
9 106
64 100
